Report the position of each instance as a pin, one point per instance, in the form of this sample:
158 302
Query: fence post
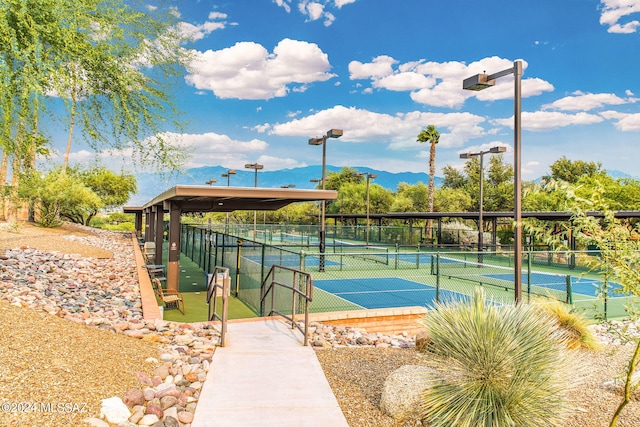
238 267
437 276
569 290
528 277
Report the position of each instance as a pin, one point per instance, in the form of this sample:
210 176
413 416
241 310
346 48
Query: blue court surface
557 282
386 292
288 260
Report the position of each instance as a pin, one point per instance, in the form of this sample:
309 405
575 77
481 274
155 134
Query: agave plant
496 366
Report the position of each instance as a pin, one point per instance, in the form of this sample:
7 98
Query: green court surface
194 292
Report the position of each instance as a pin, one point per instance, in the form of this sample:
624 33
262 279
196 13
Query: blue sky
268 75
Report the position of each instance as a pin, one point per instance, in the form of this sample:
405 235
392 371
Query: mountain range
151 185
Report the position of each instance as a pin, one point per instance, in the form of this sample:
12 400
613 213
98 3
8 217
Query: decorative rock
149 393
95 422
114 410
185 417
133 397
148 420
171 422
402 393
167 402
161 371
156 410
137 415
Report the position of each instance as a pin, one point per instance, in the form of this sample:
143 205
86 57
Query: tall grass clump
496 366
574 324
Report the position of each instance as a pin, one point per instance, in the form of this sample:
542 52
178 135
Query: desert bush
575 324
497 366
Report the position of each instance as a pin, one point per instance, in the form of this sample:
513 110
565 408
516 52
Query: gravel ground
357 377
47 359
60 364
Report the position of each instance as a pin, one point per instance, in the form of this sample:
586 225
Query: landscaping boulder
402 393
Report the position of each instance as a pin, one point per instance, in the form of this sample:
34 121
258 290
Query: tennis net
379 254
538 283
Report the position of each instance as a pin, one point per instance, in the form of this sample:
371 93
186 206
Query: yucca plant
575 324
496 366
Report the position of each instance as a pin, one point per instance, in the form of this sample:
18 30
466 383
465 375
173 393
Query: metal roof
200 198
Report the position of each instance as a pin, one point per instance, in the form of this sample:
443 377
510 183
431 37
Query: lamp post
256 167
483 81
370 176
331 133
228 176
211 181
317 181
492 150
286 209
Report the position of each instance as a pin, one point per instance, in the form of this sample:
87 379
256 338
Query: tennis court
579 285
386 292
288 260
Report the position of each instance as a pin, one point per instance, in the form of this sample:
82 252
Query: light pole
211 181
286 209
317 181
228 176
370 176
256 167
483 81
331 133
492 150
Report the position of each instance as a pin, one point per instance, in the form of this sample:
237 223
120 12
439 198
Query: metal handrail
268 287
213 290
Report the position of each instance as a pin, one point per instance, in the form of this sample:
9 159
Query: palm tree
430 134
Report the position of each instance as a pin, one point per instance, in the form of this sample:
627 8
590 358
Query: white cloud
404 82
399 132
542 121
197 32
379 67
614 11
340 3
315 10
261 128
440 84
580 101
283 4
625 122
247 70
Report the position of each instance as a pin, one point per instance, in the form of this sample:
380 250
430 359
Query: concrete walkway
265 377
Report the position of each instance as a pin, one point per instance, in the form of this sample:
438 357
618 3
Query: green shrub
497 366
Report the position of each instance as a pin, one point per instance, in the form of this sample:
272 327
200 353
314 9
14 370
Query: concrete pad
265 376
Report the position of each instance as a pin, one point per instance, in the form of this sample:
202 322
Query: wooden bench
169 297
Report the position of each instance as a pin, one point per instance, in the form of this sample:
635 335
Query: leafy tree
453 178
335 180
352 199
418 195
111 61
452 200
57 195
570 171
